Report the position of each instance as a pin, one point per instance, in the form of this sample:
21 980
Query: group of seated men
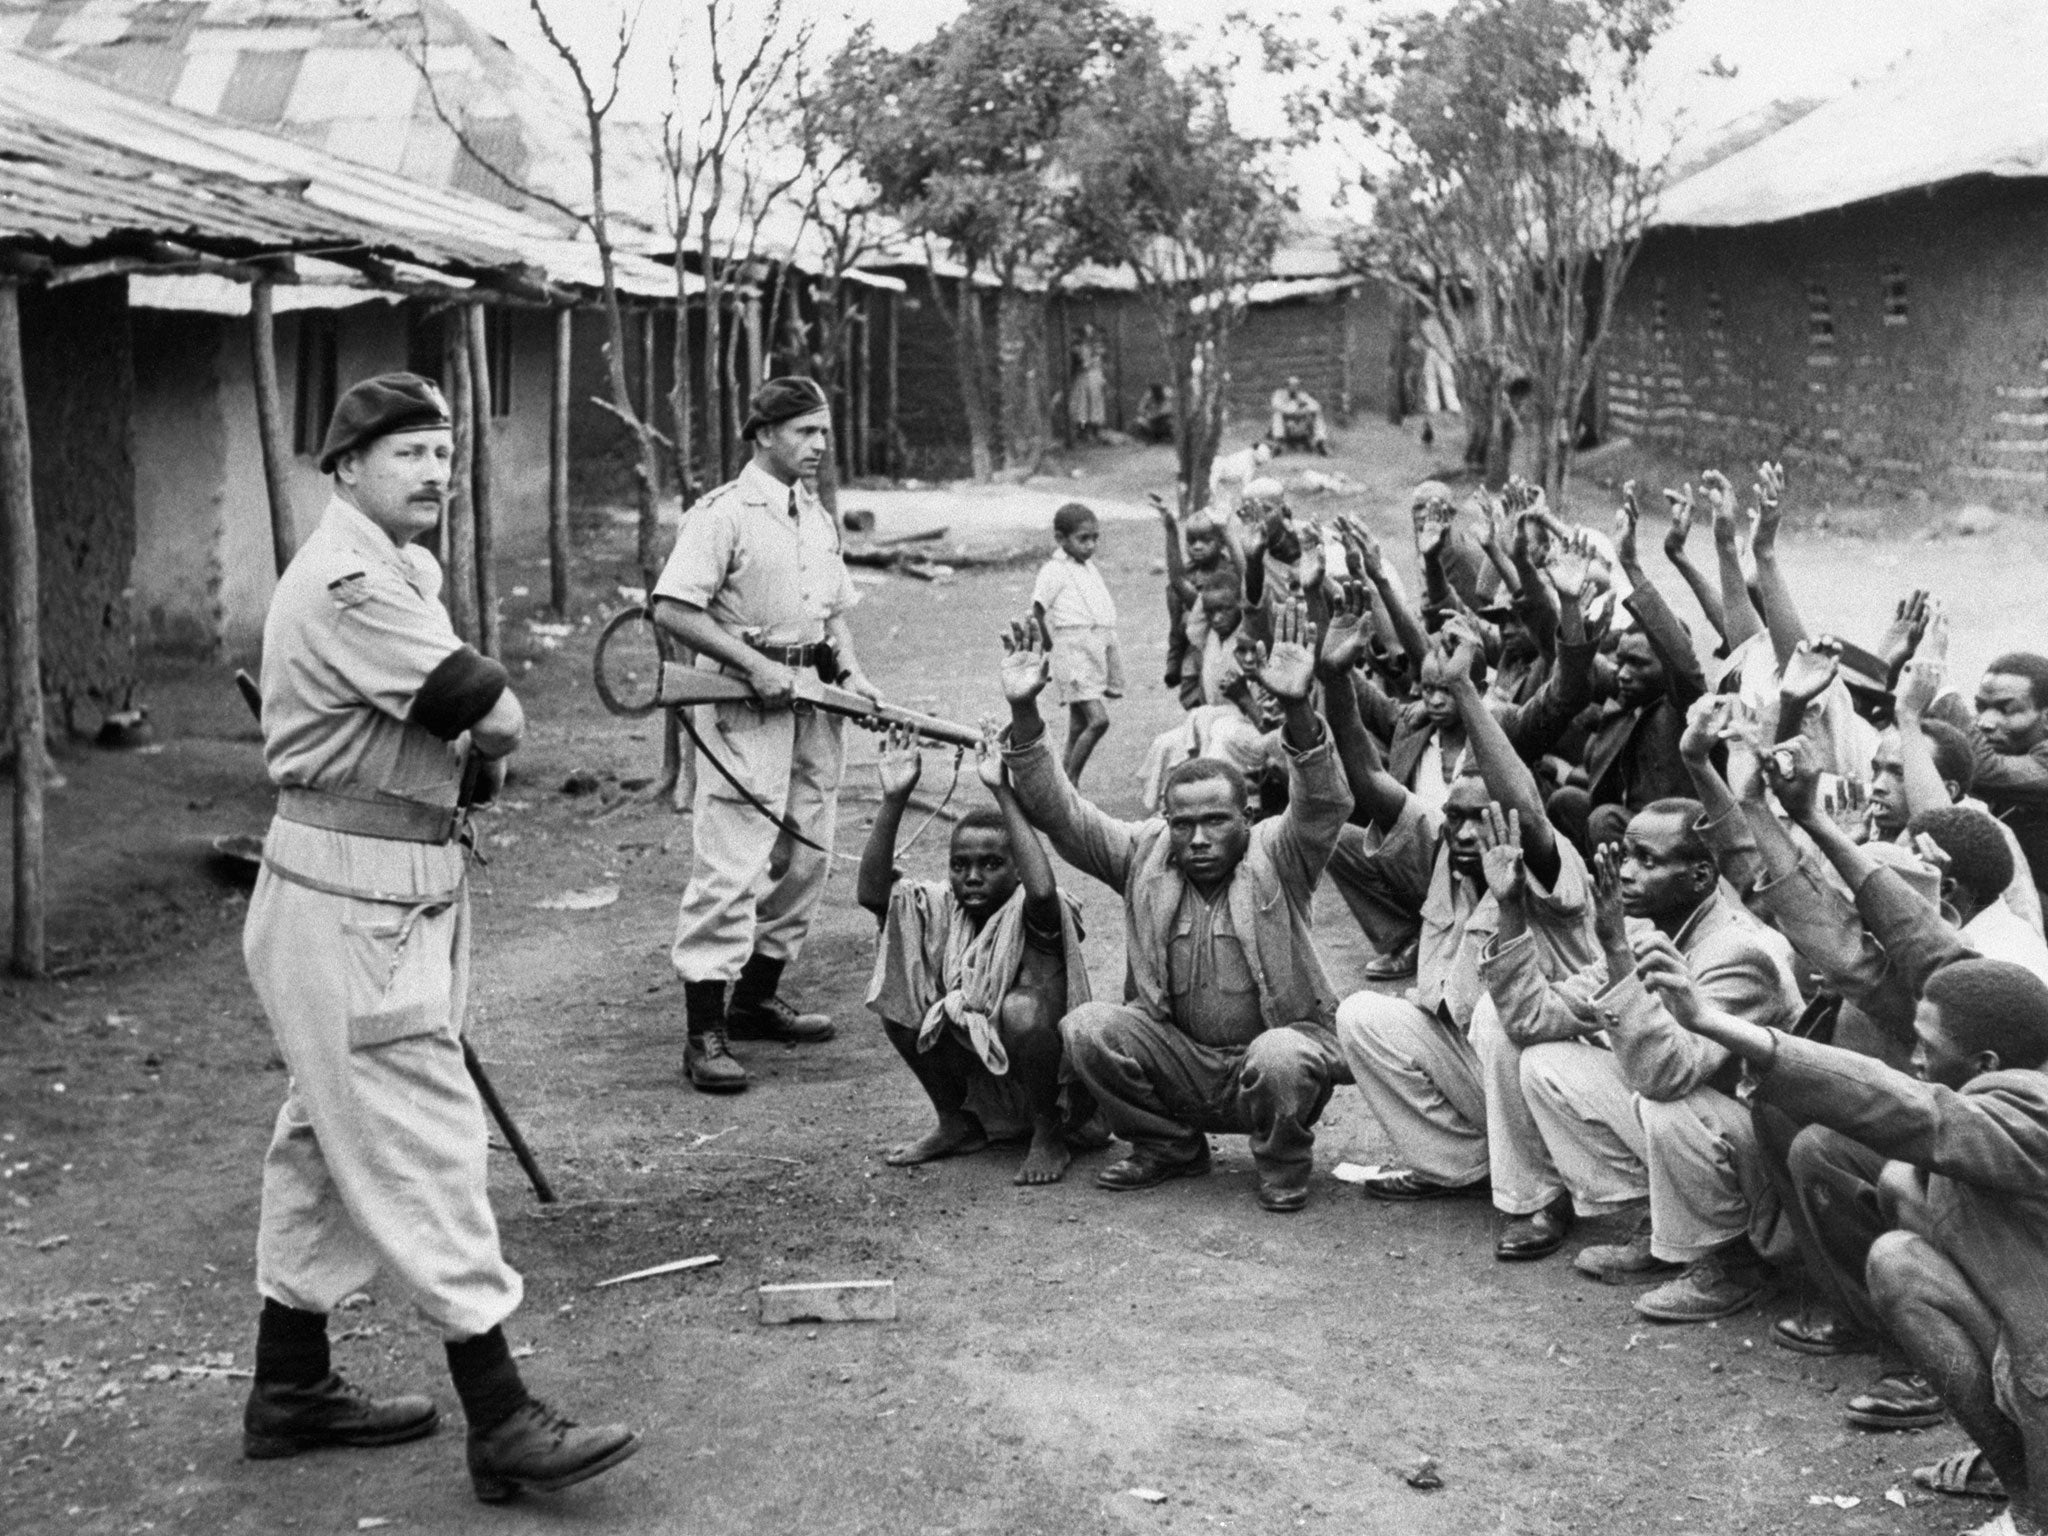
1746 965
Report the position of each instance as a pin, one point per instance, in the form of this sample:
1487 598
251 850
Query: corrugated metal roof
1975 103
83 164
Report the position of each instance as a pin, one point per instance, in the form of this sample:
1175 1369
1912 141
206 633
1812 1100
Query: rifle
637 671
472 773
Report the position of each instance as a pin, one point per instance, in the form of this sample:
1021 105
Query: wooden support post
558 468
650 392
270 423
24 641
458 549
891 434
483 486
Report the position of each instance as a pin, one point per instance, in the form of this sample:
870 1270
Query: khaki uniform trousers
1694 1156
378 1156
752 888
1161 1089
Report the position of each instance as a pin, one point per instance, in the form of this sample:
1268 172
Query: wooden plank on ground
830 1301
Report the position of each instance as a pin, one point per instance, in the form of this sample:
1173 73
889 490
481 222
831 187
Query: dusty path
1056 1348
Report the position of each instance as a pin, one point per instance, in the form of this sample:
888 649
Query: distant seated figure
1153 420
1298 418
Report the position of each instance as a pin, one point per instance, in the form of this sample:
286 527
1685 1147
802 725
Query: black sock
291 1346
704 1005
486 1379
759 978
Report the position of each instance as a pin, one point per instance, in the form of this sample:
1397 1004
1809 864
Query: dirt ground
1056 1350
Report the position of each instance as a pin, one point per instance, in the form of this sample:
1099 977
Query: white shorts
1087 664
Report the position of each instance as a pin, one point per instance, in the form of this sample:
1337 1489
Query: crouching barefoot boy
974 973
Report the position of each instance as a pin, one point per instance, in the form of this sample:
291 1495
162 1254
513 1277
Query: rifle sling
781 823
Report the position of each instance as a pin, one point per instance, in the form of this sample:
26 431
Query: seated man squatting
1228 1027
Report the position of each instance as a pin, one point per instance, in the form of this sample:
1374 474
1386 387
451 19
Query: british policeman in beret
756 587
357 943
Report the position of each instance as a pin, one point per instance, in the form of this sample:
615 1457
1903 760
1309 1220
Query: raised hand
1706 725
1769 486
1810 669
1625 522
1027 661
1610 922
1285 668
1461 646
1570 564
1918 687
1366 558
899 763
988 760
1165 512
1902 635
1720 497
1681 522
1492 521
1664 971
1435 527
1344 641
1500 843
1794 776
1934 644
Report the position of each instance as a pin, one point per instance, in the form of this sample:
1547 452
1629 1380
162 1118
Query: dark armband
458 693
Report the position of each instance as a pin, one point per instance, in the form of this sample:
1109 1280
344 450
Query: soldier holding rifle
756 587
357 943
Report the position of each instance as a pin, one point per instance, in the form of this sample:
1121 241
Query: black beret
781 400
391 402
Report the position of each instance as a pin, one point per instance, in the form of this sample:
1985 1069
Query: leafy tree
962 137
1512 174
1167 186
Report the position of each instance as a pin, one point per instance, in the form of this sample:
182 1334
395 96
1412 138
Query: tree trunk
269 422
679 399
483 482
1020 388
24 642
558 467
458 547
970 354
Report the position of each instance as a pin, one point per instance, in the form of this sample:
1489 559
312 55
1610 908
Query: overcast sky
1778 49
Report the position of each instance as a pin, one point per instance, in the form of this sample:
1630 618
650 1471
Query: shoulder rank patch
350 590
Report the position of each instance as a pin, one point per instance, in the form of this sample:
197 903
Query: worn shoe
1145 1167
1716 1285
1537 1235
710 1065
1283 1199
283 1420
1900 1400
773 1019
542 1450
1629 1263
1819 1332
1407 1184
1964 1475
1393 965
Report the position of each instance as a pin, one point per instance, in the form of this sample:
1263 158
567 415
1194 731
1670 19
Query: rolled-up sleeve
385 641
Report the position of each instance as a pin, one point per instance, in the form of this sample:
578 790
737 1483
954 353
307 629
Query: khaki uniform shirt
354 630
763 559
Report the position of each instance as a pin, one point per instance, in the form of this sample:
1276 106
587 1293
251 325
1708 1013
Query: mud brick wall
1901 342
80 380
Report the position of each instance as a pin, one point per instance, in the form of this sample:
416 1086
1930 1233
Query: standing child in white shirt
1074 606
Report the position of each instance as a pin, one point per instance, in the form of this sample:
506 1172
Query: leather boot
542 1450
710 1065
283 1419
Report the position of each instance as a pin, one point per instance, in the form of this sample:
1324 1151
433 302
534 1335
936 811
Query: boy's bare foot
1047 1159
954 1136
